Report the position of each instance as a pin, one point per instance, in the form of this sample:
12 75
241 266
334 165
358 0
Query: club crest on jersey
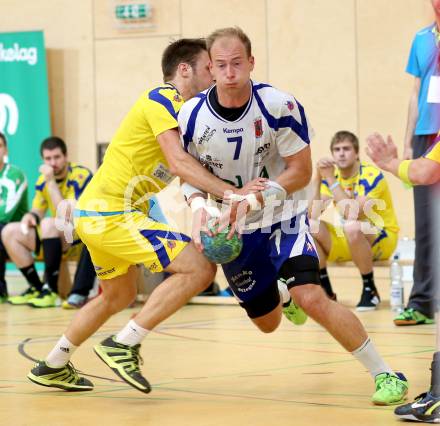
177 98
258 126
290 105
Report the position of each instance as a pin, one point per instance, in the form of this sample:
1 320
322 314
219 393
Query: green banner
24 99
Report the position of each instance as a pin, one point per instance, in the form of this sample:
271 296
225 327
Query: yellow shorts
383 246
118 240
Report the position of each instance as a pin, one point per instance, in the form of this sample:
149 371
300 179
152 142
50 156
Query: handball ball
220 250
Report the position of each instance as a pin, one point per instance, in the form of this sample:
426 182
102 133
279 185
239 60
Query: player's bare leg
191 273
269 322
345 327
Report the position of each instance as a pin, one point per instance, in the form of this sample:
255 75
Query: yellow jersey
369 182
71 187
433 152
134 165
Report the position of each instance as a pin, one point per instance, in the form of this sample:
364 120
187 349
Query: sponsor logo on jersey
258 125
290 105
207 160
108 271
162 173
263 148
207 134
243 281
231 131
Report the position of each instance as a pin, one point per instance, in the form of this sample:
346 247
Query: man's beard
60 173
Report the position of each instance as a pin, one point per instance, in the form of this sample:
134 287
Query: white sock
284 292
61 353
368 356
131 334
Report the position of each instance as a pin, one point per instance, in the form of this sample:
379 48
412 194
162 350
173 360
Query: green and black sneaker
124 361
391 389
291 310
62 377
412 317
24 297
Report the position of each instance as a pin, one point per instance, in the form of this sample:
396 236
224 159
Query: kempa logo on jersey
236 131
16 53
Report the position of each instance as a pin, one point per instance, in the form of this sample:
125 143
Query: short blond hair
236 32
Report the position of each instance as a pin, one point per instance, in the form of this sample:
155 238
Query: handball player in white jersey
242 130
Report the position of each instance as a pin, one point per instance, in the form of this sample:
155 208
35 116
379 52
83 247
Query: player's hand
235 217
201 218
27 221
47 172
381 152
326 167
253 186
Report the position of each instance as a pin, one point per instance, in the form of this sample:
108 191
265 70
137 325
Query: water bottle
396 290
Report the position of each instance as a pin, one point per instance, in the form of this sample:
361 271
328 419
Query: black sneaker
124 361
369 300
425 408
63 377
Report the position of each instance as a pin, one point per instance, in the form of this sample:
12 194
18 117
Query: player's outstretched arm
188 168
422 171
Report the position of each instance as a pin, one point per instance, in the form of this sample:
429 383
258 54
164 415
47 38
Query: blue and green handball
220 250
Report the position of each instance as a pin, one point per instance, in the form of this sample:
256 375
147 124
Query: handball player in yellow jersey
112 219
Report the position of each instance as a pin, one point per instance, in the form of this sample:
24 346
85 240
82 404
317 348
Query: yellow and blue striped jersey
134 165
71 187
369 182
434 151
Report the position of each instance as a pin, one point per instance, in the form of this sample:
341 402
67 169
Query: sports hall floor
209 366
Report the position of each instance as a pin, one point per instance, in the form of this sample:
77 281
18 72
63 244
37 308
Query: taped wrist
274 191
189 190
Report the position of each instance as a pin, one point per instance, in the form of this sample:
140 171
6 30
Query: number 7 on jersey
238 140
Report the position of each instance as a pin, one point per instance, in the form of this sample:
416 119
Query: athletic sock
284 293
30 273
53 252
325 282
60 355
368 281
85 275
435 375
368 356
131 334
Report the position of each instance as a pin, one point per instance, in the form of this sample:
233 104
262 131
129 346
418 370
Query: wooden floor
209 366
